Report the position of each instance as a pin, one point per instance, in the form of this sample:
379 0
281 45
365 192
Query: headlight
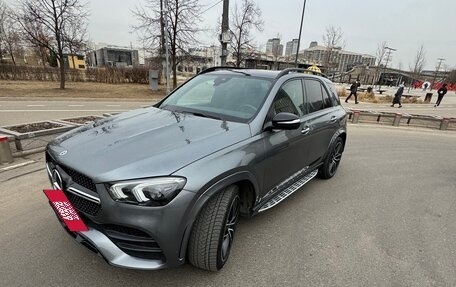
156 191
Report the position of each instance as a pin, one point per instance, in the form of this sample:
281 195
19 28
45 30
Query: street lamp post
165 38
386 64
300 30
436 72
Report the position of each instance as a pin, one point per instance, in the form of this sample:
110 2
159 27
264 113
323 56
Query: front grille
79 178
83 205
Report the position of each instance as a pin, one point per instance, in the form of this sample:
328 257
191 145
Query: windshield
228 97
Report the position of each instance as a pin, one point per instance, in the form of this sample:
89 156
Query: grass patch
372 98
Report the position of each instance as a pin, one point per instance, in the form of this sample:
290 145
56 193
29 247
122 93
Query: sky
404 24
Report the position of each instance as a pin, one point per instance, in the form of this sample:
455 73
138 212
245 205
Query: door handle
333 119
305 130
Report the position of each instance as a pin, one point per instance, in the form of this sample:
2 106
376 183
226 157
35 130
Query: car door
285 150
321 119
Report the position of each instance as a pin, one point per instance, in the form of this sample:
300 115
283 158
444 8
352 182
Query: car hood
143 143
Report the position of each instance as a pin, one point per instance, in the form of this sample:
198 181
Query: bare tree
243 19
181 18
277 51
10 37
2 31
380 55
51 23
332 39
75 37
418 63
3 16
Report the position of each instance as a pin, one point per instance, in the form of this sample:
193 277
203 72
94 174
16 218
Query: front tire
332 160
213 232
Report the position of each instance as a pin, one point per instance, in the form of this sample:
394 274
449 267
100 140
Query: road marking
75 105
17 165
36 105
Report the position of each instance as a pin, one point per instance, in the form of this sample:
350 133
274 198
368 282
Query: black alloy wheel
230 226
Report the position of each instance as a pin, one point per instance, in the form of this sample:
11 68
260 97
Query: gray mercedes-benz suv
166 183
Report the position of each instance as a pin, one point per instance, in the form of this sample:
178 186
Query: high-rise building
274 48
291 47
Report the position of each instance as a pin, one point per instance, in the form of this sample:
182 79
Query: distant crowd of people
398 95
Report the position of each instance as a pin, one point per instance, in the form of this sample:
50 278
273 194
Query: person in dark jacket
353 91
398 95
441 92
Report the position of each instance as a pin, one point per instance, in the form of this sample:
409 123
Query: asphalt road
24 111
386 219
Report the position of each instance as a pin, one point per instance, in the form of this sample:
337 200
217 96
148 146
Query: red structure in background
419 85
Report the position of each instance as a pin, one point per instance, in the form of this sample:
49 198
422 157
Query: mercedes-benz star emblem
62 153
57 182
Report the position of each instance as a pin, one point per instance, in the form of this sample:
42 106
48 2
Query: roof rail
212 69
299 70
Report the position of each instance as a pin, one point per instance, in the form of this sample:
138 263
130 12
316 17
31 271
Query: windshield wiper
206 116
198 114
240 72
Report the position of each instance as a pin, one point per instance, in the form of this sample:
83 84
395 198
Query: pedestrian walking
425 86
353 91
441 93
398 95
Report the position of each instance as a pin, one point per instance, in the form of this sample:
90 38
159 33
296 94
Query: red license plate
65 210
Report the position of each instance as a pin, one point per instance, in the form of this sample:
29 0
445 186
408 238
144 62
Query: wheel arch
248 192
340 133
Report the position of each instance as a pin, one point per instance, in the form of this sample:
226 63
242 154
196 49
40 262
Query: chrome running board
288 191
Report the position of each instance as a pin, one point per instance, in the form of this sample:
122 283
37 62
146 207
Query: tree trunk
13 59
174 72
10 48
62 71
173 64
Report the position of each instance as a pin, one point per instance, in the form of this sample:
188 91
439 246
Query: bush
341 92
111 75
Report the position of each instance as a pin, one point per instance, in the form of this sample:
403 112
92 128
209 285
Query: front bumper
102 245
131 236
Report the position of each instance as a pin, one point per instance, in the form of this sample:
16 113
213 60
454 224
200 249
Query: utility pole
436 72
224 36
300 30
166 48
386 64
162 39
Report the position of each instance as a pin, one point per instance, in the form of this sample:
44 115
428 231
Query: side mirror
286 121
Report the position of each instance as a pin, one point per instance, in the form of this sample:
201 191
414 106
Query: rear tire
332 160
213 232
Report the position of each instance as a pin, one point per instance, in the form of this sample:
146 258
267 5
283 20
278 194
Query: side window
314 95
326 98
290 98
334 96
